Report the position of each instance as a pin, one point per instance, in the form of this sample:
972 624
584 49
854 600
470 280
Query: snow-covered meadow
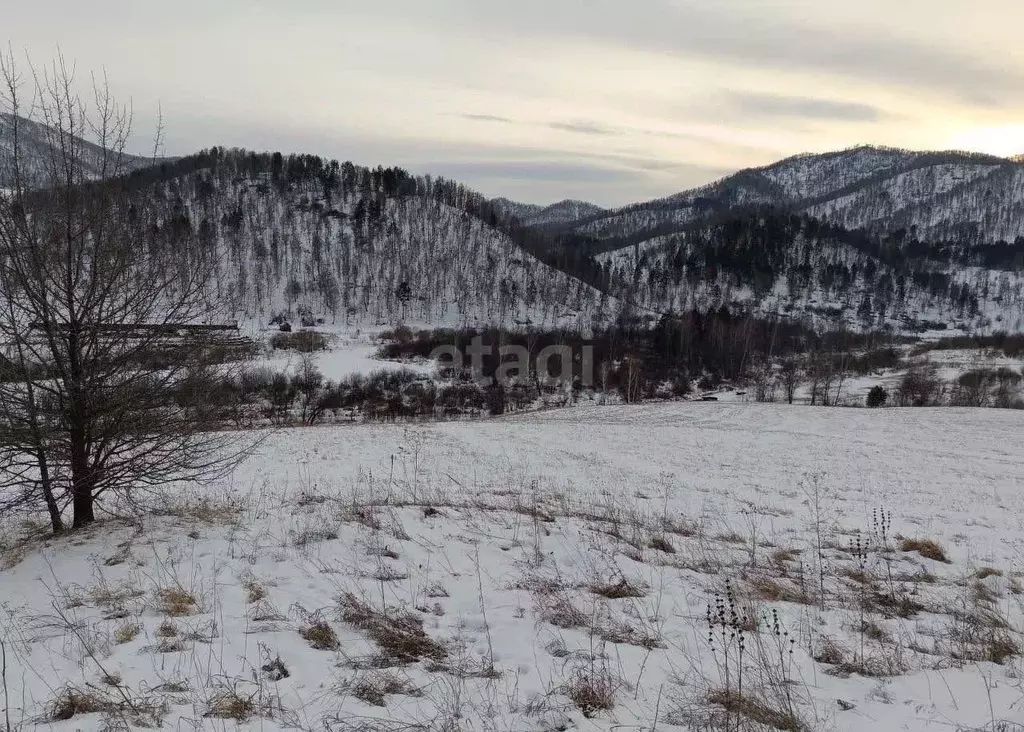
554 570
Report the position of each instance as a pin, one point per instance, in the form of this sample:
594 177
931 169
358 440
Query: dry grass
104 594
387 573
400 635
592 691
204 509
661 544
618 590
628 634
842 663
112 678
72 701
561 612
176 602
315 535
926 548
755 710
254 591
770 590
986 572
874 631
230 705
127 632
375 688
171 645
320 635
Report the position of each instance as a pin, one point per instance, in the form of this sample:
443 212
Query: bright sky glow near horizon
612 101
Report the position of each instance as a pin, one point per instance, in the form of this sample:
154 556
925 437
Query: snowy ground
478 576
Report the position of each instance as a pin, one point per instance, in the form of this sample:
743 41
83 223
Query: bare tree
106 387
790 379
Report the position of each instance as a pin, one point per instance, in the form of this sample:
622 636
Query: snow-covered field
556 570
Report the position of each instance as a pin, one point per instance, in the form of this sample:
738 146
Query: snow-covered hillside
357 244
945 195
576 569
774 263
37 165
563 212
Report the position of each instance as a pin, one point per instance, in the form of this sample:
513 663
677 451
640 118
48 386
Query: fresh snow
485 530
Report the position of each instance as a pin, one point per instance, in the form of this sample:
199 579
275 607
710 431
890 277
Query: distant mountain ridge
864 238
34 142
948 196
564 212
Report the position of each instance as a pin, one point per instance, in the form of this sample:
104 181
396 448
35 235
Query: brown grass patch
320 635
618 590
176 602
926 548
899 605
254 591
127 632
400 635
755 710
72 701
986 572
770 590
592 691
375 688
387 573
560 611
230 705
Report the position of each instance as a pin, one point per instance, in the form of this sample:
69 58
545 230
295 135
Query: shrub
877 397
920 387
303 341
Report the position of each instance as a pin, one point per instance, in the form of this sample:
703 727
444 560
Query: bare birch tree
101 391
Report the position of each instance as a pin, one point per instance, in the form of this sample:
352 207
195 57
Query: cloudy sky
607 100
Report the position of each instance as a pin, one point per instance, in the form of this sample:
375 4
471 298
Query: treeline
642 362
1009 344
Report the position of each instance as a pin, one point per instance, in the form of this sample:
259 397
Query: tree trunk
81 480
56 522
82 503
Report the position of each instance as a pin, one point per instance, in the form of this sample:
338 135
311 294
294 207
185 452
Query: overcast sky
607 100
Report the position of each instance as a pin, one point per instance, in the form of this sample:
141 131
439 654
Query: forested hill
345 241
963 197
774 261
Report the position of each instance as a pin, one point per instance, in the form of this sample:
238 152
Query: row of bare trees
91 291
